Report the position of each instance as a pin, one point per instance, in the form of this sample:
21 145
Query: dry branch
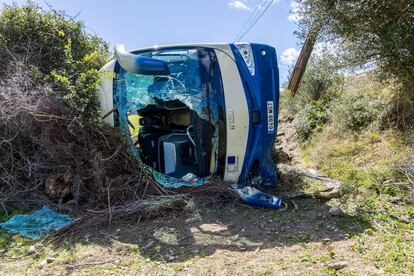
329 182
49 157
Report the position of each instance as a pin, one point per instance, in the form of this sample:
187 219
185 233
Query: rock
42 264
31 249
335 211
338 265
280 134
395 199
326 240
50 260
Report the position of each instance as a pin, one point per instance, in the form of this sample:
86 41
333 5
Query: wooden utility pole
302 61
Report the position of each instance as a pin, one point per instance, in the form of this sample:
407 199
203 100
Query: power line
252 16
257 19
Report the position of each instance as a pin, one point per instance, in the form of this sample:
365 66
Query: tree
377 32
57 49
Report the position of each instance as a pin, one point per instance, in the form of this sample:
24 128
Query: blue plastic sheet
37 224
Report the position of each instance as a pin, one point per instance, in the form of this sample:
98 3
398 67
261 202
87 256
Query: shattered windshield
173 119
183 84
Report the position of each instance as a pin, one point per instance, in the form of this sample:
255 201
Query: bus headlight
246 52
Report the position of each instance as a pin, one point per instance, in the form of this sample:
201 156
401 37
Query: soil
286 147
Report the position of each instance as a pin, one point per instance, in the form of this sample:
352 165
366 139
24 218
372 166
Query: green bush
361 107
321 79
57 49
356 114
312 119
321 84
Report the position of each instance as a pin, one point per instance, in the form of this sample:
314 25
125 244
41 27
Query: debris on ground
37 224
328 194
255 197
295 205
329 182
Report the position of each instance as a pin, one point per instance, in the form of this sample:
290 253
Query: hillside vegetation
343 132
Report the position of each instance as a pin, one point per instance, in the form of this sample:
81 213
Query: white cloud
265 4
239 5
244 4
289 56
294 12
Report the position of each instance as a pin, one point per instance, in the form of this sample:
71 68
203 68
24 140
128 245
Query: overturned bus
195 111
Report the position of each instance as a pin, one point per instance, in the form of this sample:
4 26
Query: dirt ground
226 239
223 240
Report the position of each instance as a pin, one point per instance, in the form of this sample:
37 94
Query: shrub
319 79
311 119
362 105
321 84
355 113
57 49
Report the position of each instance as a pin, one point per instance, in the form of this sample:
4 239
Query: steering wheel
173 83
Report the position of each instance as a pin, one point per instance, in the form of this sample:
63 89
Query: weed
302 238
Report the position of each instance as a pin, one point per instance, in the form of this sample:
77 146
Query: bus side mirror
140 64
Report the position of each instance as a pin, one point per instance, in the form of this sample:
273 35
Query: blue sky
141 23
